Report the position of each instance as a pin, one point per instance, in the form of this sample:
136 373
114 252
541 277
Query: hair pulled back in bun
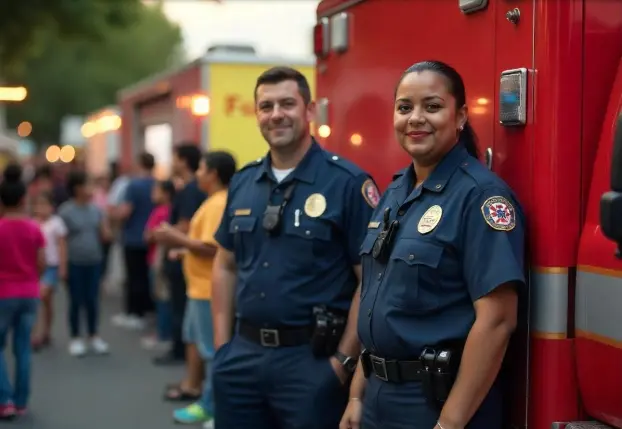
13 173
12 189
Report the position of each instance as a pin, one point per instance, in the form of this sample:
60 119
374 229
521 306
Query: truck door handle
489 158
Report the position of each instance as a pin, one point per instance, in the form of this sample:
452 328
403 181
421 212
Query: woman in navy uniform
442 264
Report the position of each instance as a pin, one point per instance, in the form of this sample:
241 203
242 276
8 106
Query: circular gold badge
430 219
315 205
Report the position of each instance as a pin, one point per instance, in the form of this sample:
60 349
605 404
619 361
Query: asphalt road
120 391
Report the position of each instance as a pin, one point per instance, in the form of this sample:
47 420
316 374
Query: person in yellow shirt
197 250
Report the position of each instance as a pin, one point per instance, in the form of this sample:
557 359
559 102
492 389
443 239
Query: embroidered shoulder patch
370 193
499 213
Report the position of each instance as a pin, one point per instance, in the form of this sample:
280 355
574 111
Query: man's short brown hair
281 74
146 161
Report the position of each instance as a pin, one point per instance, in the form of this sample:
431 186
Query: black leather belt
276 337
394 371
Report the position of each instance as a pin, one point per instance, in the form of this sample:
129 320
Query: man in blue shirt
186 158
135 211
290 239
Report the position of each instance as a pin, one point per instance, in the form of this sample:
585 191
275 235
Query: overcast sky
273 27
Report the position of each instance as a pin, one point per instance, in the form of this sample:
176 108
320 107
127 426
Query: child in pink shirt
22 260
162 196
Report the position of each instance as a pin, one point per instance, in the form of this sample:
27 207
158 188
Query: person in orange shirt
198 249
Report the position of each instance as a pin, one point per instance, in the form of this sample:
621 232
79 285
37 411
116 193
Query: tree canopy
24 23
75 76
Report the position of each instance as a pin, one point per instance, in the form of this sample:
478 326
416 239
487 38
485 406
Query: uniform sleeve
211 221
493 242
361 199
222 236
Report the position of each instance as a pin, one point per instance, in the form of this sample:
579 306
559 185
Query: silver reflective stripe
549 302
598 310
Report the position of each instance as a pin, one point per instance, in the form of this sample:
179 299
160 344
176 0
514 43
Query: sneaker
99 346
7 412
120 319
135 323
77 348
209 424
152 342
190 415
21 411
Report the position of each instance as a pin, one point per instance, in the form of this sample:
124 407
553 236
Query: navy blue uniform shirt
281 278
460 236
138 194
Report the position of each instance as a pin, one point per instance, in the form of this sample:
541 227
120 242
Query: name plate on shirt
242 212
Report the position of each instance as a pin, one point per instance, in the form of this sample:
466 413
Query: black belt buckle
380 367
269 338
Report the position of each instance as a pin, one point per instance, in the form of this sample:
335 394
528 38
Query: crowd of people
166 232
296 295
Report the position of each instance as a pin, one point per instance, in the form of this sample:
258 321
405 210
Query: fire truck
544 88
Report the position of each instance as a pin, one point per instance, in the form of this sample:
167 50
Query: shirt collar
440 175
305 171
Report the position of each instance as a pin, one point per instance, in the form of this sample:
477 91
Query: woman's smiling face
426 119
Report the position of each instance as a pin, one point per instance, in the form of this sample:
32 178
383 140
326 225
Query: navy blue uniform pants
403 406
275 388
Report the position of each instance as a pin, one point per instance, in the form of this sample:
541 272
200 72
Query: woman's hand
352 416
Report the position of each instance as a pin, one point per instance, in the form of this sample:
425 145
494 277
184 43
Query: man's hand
166 234
176 254
340 371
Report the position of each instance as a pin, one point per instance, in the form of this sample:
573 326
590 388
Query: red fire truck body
544 88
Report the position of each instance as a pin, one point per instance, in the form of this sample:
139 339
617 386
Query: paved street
119 391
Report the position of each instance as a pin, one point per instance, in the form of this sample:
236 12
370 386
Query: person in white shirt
54 231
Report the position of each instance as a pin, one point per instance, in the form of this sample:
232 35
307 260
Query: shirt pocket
367 261
242 228
413 282
307 243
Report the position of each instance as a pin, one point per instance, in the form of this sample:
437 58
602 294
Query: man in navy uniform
290 240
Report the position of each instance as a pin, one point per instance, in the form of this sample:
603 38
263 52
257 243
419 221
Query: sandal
177 394
169 386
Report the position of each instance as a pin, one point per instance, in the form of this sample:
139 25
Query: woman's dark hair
75 179
224 164
12 189
168 187
456 88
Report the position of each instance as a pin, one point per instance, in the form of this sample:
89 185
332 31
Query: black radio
384 241
440 367
330 324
